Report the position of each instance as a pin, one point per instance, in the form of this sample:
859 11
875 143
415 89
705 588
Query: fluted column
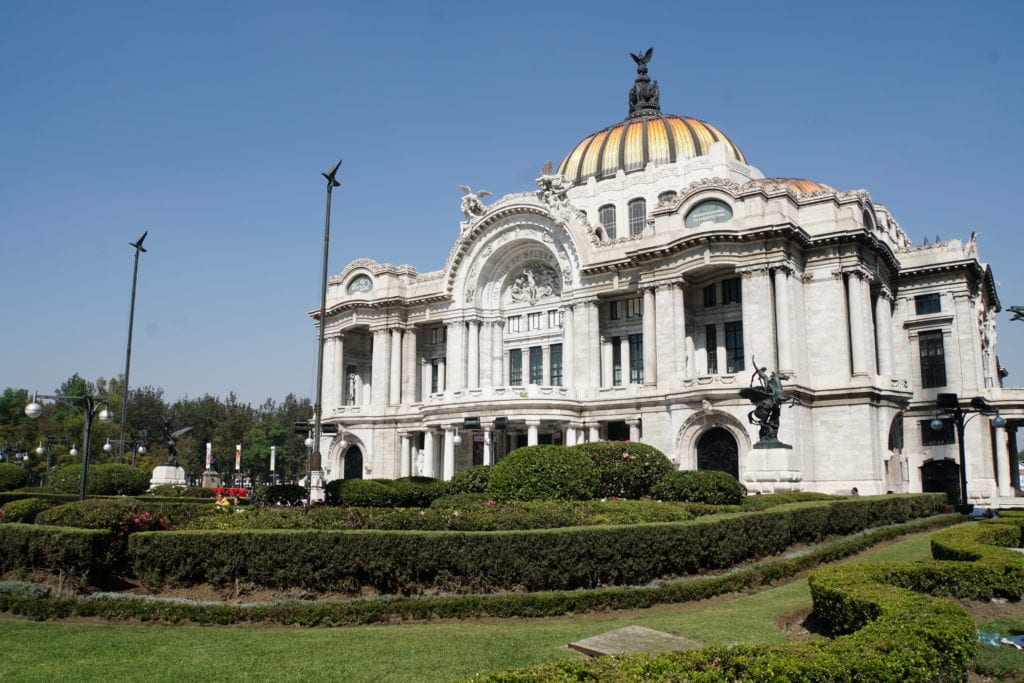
1002 463
855 302
532 432
395 369
669 345
783 337
593 342
405 463
883 331
568 347
498 375
650 340
488 451
456 356
473 355
379 371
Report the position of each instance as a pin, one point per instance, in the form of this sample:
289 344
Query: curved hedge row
551 559
891 626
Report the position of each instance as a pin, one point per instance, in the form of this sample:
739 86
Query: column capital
751 271
885 292
859 272
532 423
784 267
588 299
632 421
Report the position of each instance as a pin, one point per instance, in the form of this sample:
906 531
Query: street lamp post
949 406
94 406
315 463
128 353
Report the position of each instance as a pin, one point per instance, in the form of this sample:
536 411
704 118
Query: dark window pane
515 367
731 291
536 365
927 303
556 365
734 346
711 345
709 296
933 359
933 437
636 359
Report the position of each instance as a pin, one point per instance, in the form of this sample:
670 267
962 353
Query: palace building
629 297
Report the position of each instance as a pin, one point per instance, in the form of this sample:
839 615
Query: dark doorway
618 431
717 450
942 476
353 463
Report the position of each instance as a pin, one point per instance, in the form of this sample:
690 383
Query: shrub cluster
24 511
701 486
544 473
107 479
470 480
72 554
404 492
279 494
627 469
12 477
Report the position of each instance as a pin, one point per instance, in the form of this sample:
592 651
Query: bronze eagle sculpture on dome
642 60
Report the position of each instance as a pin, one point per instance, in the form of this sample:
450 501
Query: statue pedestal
168 474
210 479
773 470
316 489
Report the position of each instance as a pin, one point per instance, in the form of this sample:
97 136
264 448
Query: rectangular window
731 291
515 323
435 370
709 296
536 365
616 362
533 321
933 359
515 368
556 365
634 308
927 303
636 359
734 347
937 437
613 310
554 319
711 346
437 335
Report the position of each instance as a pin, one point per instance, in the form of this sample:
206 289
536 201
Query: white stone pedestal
316 489
166 474
773 470
210 479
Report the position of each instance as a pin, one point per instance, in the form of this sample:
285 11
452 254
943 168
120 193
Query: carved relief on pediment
531 283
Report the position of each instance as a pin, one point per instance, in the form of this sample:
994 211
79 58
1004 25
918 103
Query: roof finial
643 96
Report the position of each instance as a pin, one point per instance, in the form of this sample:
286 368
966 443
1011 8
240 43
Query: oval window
711 211
360 285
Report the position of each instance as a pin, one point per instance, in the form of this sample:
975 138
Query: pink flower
492 503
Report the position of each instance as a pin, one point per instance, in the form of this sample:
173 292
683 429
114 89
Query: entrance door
942 476
353 463
717 450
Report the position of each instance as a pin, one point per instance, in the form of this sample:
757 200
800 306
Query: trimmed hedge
73 554
890 627
359 493
627 469
278 494
178 491
109 479
550 559
389 610
24 511
544 473
470 480
415 491
701 486
12 476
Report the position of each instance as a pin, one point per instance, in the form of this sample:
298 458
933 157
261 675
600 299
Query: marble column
425 376
570 435
568 347
593 342
429 454
487 354
650 340
488 451
498 375
624 358
405 462
442 376
606 362
379 370
456 356
473 355
883 331
545 365
783 330
532 432
448 465
409 375
634 428
668 343
395 374
855 305
1002 463
593 432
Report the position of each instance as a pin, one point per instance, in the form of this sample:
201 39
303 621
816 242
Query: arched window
606 215
637 216
711 211
667 197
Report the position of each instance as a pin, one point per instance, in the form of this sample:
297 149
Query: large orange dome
636 142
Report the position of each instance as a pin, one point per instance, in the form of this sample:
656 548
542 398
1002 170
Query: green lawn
45 651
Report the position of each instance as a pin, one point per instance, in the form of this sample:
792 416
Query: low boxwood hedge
72 554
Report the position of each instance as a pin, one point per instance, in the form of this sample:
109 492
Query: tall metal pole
128 353
315 463
958 420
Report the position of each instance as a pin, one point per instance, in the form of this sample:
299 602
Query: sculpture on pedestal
171 439
768 398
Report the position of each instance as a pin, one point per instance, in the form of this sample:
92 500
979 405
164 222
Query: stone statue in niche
536 281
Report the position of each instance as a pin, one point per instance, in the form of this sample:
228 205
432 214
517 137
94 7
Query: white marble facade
544 319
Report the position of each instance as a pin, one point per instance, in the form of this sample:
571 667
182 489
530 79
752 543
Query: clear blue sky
208 124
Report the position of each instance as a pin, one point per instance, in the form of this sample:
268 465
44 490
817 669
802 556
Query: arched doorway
717 450
942 476
353 464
